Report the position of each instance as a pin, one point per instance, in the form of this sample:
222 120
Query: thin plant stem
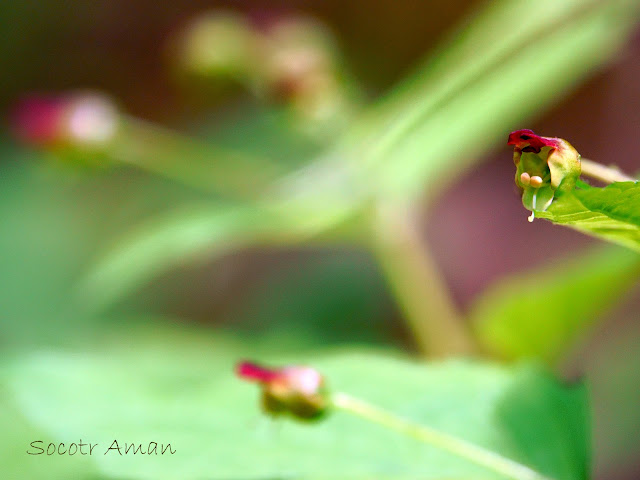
435 438
186 160
603 173
421 293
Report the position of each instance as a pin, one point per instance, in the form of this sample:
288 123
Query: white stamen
533 213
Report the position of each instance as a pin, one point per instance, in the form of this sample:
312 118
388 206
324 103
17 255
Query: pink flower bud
295 390
72 120
37 120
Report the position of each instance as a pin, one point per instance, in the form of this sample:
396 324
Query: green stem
195 164
603 173
420 291
435 438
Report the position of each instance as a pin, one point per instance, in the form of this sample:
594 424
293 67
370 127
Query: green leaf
541 313
16 435
611 213
613 373
193 233
516 58
171 386
535 403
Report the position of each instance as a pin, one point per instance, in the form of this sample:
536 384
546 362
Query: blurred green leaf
611 213
177 387
196 232
42 247
16 434
53 222
560 415
514 59
543 312
613 374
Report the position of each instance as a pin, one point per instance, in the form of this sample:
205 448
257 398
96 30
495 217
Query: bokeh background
57 218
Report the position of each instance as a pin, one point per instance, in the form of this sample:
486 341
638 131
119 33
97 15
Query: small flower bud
297 52
295 390
81 120
218 44
545 167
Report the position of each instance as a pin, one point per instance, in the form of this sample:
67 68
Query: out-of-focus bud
80 121
301 68
295 390
545 168
219 44
297 52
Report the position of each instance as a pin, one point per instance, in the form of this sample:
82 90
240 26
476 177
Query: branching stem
168 154
603 173
435 438
420 291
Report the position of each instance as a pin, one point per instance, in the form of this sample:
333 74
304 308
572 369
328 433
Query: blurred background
58 217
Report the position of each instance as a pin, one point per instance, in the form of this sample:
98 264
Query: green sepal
564 165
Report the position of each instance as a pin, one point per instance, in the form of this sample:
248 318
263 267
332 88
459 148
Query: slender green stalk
435 438
603 173
422 95
435 322
188 161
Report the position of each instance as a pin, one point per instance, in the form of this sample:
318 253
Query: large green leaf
175 387
543 312
611 213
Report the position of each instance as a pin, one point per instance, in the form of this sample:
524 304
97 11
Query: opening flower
545 168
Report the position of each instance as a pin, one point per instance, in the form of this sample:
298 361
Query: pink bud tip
253 372
37 119
75 119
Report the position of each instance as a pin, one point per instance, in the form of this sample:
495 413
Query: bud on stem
293 390
83 121
300 392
